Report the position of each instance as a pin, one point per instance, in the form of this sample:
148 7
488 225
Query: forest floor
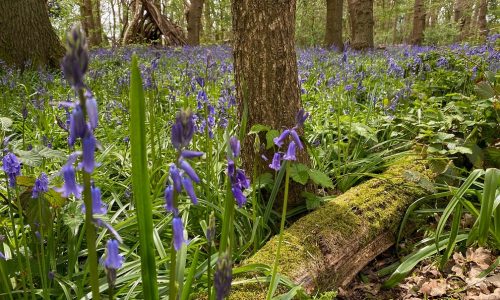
472 275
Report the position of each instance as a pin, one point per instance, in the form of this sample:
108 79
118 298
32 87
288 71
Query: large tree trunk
481 18
361 13
265 66
91 21
99 32
27 35
333 30
417 35
325 249
193 19
462 17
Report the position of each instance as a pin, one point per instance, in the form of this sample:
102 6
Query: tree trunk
417 36
265 67
193 19
482 25
208 25
462 17
326 248
333 30
99 32
361 13
27 35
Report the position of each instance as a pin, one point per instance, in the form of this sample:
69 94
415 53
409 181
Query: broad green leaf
258 128
299 173
320 178
270 135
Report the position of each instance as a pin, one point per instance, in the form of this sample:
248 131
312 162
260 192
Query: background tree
27 35
333 29
417 36
265 68
194 12
361 14
462 17
481 18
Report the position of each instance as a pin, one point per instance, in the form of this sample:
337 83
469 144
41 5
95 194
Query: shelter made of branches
149 25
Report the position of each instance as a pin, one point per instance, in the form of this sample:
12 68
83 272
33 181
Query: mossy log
325 249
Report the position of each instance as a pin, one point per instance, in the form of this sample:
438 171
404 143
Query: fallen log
325 249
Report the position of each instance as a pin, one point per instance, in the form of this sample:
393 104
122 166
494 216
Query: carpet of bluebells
365 110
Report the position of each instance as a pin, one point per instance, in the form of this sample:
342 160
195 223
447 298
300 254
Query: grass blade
140 182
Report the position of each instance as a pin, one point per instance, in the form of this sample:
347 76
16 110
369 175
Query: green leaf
35 156
270 135
312 201
364 131
484 90
265 179
299 173
320 178
5 123
258 128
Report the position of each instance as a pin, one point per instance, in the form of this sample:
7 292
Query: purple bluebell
301 117
188 154
188 186
279 141
176 178
184 165
76 60
88 153
235 146
169 198
183 129
2 256
276 162
296 138
70 186
41 186
11 167
91 106
114 260
241 200
77 125
223 276
348 87
178 229
290 153
98 207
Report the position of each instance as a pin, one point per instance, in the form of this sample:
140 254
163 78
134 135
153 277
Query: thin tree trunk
482 25
395 23
98 34
417 36
27 35
333 30
265 68
193 19
462 17
87 19
361 12
208 25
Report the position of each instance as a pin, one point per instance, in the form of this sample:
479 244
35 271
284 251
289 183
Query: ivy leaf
320 178
299 173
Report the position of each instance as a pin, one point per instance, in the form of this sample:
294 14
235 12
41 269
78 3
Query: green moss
352 219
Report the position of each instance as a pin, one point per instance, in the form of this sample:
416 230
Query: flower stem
89 224
270 292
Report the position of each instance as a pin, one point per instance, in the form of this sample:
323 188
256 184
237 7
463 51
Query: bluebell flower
276 162
98 207
188 186
76 60
169 198
91 106
41 186
237 177
183 129
235 146
301 117
188 154
77 125
241 200
184 165
70 186
296 138
2 256
176 178
114 260
290 153
11 167
281 139
178 229
88 153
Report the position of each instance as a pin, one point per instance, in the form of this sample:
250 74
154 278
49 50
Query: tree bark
333 30
361 13
27 35
265 68
462 17
99 32
193 19
482 25
417 36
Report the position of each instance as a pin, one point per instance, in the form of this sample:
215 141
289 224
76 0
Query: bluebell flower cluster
223 276
237 177
279 141
11 167
182 175
41 186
